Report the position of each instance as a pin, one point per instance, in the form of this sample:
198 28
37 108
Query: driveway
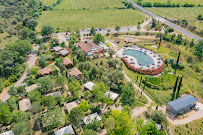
178 28
31 62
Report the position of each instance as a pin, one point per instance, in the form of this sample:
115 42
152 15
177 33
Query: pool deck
157 58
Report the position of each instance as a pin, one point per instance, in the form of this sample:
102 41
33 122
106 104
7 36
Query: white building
90 118
89 86
65 130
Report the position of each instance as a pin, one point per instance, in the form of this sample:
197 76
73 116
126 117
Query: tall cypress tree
137 78
178 58
174 88
140 81
179 86
159 43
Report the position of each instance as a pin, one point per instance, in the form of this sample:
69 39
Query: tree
76 116
35 107
119 123
138 26
22 128
46 83
158 116
174 88
53 118
199 49
148 128
42 61
117 29
98 38
89 132
92 31
87 95
49 101
127 109
32 24
179 86
128 95
178 58
54 42
13 102
114 79
21 90
12 91
84 105
19 115
5 114
61 81
94 125
153 22
34 95
99 92
74 87
46 31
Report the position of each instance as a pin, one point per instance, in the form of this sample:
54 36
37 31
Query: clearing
196 2
48 2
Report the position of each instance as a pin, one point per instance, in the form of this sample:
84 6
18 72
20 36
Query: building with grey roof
54 94
8 133
181 105
63 53
68 130
56 48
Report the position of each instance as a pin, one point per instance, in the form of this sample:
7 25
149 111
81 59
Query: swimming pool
141 57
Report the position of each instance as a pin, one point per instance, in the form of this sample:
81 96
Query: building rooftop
112 95
90 118
31 87
67 61
182 102
54 94
57 48
89 85
8 133
75 72
65 130
63 52
25 104
86 47
103 46
45 71
71 105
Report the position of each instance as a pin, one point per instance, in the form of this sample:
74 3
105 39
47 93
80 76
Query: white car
196 107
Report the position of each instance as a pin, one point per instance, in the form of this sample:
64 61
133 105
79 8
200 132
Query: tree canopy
128 95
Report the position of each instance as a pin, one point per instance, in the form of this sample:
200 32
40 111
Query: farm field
192 128
189 14
196 2
80 19
88 4
48 2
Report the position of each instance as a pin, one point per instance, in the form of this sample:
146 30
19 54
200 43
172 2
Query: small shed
54 94
63 53
25 104
89 86
181 105
31 87
158 126
67 62
112 95
10 132
70 106
104 46
56 48
68 130
76 73
90 118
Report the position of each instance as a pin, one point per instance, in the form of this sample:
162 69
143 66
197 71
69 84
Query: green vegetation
194 127
49 2
196 2
189 14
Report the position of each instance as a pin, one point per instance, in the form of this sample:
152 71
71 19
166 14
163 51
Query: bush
137 33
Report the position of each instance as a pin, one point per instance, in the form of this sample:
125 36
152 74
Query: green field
196 2
5 39
88 4
48 2
192 128
190 14
88 18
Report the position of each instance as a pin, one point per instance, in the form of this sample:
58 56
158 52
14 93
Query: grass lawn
88 4
48 2
80 19
196 2
190 14
5 39
193 128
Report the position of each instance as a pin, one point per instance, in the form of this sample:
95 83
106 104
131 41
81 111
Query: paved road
178 28
31 62
112 30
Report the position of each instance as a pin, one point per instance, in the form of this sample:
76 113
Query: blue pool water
141 58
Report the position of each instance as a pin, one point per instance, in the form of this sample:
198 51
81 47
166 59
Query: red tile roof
75 72
86 47
67 61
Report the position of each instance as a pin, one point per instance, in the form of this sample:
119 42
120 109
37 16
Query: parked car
99 29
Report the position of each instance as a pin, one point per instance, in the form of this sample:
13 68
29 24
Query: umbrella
154 56
159 62
153 64
131 59
153 67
